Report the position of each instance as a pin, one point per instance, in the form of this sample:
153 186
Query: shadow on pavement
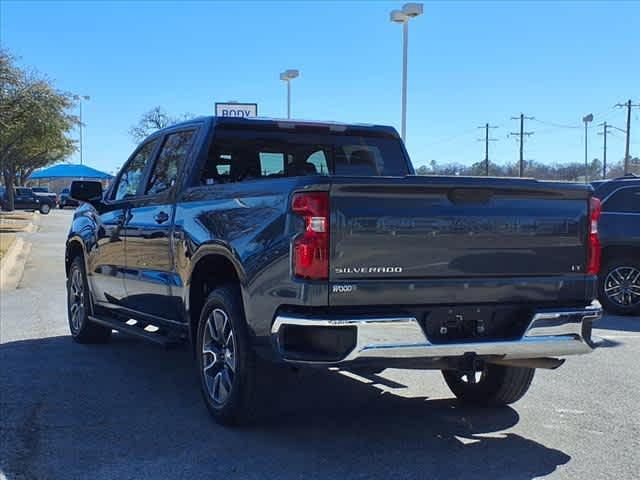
128 409
625 324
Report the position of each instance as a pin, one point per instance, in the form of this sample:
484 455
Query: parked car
308 243
44 191
65 200
619 285
24 198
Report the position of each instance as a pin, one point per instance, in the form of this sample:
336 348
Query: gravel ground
132 410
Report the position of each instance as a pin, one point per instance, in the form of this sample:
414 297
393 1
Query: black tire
607 279
45 208
82 329
61 206
497 385
238 406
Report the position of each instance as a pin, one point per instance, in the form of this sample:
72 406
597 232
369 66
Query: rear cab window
241 155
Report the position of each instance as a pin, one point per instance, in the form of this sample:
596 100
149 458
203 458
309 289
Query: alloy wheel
622 286
76 300
218 356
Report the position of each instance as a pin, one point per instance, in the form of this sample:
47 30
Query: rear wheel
494 385
619 285
83 330
45 208
226 362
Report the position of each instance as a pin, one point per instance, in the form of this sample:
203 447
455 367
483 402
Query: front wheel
83 330
494 385
226 362
45 208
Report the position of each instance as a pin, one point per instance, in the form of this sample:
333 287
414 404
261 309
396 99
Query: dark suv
620 235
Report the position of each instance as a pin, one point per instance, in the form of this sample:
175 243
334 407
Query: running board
137 330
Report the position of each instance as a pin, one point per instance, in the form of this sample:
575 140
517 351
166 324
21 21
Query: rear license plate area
475 323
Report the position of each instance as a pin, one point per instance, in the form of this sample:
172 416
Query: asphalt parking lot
132 410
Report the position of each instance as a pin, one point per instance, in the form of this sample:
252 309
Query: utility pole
521 136
587 120
486 139
627 157
605 130
79 99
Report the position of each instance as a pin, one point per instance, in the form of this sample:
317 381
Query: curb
12 264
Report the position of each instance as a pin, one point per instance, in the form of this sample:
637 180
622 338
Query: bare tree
153 120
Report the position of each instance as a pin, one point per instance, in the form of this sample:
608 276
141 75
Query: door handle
123 218
161 217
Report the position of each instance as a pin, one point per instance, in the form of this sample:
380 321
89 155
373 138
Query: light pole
287 76
587 119
79 99
409 11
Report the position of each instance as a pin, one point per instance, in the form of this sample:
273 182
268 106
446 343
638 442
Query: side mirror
86 191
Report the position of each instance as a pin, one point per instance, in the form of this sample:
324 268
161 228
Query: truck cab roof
297 125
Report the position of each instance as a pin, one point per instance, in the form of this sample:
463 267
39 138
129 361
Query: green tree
34 122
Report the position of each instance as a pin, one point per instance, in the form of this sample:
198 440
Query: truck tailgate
422 240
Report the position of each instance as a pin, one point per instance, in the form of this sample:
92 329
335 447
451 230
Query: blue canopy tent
68 170
60 176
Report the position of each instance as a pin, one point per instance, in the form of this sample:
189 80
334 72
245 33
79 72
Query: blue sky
469 63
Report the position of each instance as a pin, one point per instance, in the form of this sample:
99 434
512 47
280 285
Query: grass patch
11 222
6 240
16 216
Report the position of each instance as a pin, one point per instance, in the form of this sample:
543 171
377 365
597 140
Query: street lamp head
289 75
412 10
588 118
397 16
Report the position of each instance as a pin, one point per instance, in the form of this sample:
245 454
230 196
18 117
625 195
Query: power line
557 125
453 137
521 136
486 140
629 106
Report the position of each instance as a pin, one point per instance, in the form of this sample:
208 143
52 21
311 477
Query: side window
625 200
132 174
165 171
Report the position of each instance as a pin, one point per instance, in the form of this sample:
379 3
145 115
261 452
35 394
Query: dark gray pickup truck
308 243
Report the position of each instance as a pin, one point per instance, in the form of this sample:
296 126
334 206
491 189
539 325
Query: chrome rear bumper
551 333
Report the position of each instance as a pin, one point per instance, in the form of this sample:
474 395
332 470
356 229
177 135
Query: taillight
593 265
311 249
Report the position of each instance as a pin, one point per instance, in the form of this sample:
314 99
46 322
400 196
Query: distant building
60 176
